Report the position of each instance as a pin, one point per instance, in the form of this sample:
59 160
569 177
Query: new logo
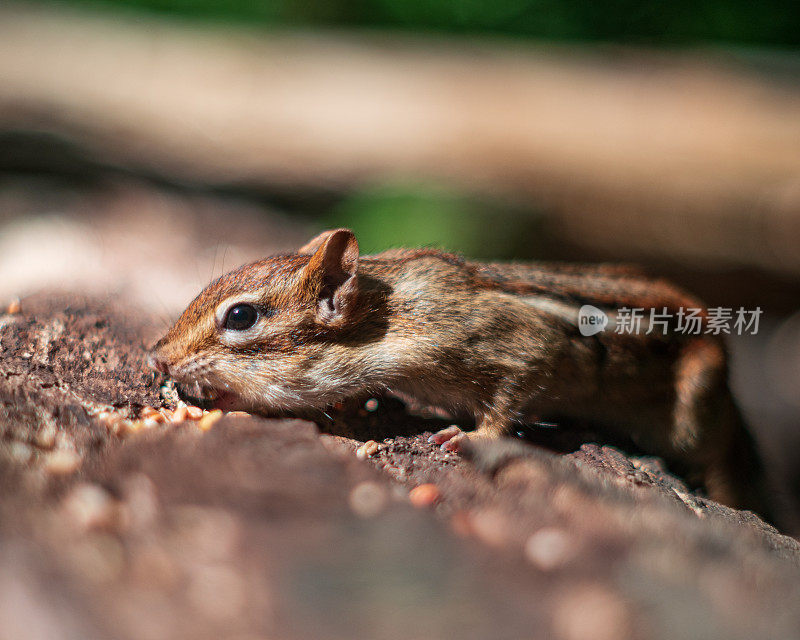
591 320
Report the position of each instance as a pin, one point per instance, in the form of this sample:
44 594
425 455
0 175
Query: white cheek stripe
239 338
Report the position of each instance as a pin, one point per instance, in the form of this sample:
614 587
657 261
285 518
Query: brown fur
478 339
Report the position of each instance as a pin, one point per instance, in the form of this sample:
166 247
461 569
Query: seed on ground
180 414
549 548
89 506
109 418
208 420
151 413
20 451
591 611
62 462
491 527
46 437
367 499
195 413
425 495
369 448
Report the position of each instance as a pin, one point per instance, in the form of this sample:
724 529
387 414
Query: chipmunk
498 342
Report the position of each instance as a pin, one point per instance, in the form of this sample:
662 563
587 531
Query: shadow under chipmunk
387 417
384 417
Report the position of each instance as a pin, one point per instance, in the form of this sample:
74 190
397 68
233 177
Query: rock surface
268 528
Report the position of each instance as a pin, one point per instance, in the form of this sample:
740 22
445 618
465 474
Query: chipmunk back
498 342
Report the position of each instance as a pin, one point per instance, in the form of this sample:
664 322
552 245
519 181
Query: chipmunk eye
241 317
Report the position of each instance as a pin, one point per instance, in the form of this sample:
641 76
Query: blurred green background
398 212
402 213
773 22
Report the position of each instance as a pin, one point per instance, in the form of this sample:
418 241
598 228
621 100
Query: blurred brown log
686 155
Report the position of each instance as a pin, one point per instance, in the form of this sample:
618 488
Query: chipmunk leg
709 434
493 424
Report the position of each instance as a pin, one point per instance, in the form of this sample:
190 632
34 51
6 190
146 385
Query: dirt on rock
270 528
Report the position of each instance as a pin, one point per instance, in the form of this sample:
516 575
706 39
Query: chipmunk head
250 338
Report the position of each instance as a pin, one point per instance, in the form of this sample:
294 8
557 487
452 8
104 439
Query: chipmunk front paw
453 439
450 439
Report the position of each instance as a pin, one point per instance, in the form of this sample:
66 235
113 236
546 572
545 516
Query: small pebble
195 413
20 451
549 548
208 420
46 437
150 413
371 404
461 524
369 448
14 307
108 417
180 414
367 499
238 414
491 527
591 611
89 506
425 495
62 462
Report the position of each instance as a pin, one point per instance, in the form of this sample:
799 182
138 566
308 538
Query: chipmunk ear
330 275
316 242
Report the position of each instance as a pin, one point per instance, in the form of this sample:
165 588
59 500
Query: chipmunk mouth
208 397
